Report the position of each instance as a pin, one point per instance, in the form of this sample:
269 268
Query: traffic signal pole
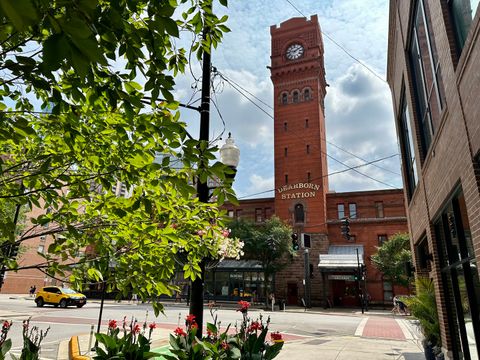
12 249
359 278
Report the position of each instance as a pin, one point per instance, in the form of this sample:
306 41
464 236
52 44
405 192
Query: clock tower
298 76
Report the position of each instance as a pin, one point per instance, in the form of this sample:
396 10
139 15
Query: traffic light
306 240
13 250
295 244
345 228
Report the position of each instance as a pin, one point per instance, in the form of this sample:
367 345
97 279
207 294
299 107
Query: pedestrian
32 290
134 298
272 300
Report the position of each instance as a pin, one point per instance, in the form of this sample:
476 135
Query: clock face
294 51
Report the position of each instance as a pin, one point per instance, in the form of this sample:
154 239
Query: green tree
391 257
86 100
270 243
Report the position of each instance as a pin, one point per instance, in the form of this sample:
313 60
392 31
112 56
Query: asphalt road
65 323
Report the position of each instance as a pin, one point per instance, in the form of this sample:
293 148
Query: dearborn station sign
303 190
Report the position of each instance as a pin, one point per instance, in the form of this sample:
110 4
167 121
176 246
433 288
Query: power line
297 135
340 46
329 174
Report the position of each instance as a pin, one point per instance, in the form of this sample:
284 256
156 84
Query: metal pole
11 246
358 281
307 277
196 300
101 311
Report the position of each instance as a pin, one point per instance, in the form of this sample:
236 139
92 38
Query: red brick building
302 197
433 73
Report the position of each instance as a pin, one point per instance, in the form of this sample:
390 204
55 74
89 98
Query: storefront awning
341 258
239 265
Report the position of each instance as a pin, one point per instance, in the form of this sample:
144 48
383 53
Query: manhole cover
316 342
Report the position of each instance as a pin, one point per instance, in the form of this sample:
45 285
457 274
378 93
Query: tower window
286 152
299 213
286 178
284 98
295 96
306 123
285 126
308 149
306 94
352 209
309 177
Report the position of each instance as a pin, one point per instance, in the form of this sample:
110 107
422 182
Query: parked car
58 296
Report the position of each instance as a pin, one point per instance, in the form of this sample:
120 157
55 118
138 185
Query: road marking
361 326
404 327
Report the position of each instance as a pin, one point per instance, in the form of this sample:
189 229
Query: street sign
341 277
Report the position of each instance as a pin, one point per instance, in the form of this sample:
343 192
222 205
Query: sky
358 108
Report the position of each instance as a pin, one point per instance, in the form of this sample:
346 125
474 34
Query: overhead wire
341 47
297 135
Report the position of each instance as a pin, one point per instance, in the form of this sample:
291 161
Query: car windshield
68 291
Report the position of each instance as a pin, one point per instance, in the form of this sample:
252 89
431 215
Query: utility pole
196 297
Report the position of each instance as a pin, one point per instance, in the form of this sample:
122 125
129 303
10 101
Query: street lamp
230 153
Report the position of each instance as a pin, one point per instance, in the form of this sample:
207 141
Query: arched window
306 94
284 98
299 213
295 96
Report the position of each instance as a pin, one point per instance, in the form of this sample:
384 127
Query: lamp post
230 156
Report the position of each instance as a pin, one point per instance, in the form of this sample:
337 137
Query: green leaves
21 13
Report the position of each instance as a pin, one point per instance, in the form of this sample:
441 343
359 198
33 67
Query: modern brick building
433 73
302 197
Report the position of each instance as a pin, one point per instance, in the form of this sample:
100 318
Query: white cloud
358 104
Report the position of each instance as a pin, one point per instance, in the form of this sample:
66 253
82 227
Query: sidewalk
376 339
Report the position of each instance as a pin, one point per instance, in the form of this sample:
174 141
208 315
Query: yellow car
58 296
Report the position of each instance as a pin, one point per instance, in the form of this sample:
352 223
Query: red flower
244 305
152 326
112 324
190 319
255 326
136 329
225 345
179 332
194 325
6 325
276 336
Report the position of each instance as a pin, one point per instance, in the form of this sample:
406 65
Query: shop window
352 210
341 211
379 209
306 94
382 239
295 96
426 72
258 215
462 13
299 213
460 276
407 147
284 99
230 213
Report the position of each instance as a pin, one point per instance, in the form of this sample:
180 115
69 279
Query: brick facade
448 170
301 172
